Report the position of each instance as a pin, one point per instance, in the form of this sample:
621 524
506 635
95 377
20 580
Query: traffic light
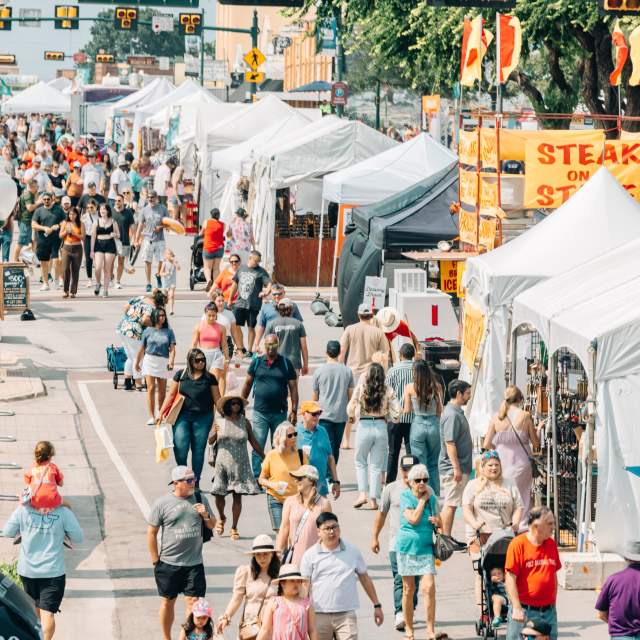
5 12
190 24
54 55
104 57
66 17
622 6
7 59
125 18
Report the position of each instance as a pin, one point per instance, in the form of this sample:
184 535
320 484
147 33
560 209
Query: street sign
162 23
183 4
480 4
254 58
80 57
339 93
621 7
141 61
254 76
164 63
327 37
216 71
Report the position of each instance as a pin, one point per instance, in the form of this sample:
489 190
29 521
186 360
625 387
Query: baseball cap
201 608
408 461
364 310
306 471
311 406
285 302
76 164
37 159
534 628
181 473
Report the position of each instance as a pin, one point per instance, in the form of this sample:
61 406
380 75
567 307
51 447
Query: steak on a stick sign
480 4
555 169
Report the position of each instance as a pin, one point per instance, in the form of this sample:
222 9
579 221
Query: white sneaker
400 623
118 285
60 283
44 287
89 284
105 292
151 422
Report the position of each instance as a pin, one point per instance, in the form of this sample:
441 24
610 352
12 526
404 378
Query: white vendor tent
596 219
597 304
388 173
39 98
62 84
321 147
155 90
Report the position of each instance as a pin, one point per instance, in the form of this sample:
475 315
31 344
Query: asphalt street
107 454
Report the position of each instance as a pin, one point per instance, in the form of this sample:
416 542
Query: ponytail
512 395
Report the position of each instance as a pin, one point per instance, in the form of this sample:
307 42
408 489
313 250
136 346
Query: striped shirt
398 377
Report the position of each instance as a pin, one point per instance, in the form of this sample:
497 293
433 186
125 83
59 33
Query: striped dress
398 377
290 619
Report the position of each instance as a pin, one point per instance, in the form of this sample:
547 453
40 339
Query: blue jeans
191 433
636 637
5 243
425 445
549 615
397 584
275 511
335 430
372 449
264 425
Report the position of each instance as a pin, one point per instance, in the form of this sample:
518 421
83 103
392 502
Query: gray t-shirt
455 428
390 504
289 331
181 529
250 281
151 217
331 382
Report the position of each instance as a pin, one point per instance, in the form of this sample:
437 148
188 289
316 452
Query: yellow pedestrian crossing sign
254 76
254 58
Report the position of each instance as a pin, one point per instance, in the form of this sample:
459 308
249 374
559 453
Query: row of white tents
574 278
43 97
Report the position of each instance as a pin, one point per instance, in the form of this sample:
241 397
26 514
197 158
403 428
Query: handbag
27 495
443 544
212 454
535 470
176 405
249 629
287 556
207 533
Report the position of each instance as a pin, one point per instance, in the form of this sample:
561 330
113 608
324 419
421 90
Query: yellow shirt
276 468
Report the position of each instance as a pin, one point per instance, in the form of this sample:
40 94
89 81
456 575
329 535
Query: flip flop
360 503
439 636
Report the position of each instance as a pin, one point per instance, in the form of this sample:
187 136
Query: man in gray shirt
178 566
390 506
150 228
456 449
332 388
292 336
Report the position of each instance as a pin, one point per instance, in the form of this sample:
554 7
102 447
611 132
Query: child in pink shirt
44 478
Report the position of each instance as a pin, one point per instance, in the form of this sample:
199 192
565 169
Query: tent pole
552 473
509 375
320 245
333 271
591 420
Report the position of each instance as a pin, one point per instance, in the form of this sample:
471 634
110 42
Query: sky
29 43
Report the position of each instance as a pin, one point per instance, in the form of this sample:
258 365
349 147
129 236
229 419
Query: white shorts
155 366
122 250
153 250
451 491
215 358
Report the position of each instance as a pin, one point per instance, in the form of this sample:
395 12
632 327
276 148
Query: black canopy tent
417 218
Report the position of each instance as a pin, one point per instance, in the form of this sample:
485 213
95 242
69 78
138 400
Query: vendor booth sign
449 276
472 330
375 290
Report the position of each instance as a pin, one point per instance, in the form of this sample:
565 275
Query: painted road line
101 432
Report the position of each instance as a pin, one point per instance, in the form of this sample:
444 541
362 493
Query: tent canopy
323 147
62 84
186 89
390 172
419 217
155 90
598 300
39 98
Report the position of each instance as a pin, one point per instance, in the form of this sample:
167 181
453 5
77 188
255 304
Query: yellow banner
449 276
488 232
468 147
468 224
459 288
488 196
556 170
468 187
472 330
489 148
469 191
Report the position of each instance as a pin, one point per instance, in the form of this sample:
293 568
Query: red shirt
401 330
213 231
535 570
44 480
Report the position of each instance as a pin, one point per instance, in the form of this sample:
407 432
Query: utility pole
202 52
254 45
377 100
340 66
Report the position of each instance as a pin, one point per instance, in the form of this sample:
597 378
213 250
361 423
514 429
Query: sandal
234 535
220 526
359 503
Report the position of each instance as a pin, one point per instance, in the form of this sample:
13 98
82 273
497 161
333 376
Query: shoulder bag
287 556
443 545
176 405
207 533
27 494
249 629
535 470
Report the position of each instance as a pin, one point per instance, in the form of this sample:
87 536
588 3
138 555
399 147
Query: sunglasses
421 480
291 435
235 402
199 360
331 528
487 455
279 294
234 261
315 414
188 480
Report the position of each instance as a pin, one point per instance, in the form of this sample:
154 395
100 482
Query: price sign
14 288
449 276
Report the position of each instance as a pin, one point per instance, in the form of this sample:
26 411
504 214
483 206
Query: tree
567 51
105 36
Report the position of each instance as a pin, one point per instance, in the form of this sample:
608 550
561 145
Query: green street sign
184 4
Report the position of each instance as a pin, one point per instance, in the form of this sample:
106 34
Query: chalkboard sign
14 288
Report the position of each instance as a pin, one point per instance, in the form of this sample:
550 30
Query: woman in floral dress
232 471
240 234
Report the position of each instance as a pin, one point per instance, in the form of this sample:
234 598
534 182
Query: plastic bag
164 442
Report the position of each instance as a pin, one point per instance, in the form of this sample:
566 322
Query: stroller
196 271
492 555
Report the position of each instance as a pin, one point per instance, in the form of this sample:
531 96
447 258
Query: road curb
14 388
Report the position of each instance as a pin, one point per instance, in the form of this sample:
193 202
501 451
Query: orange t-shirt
535 570
224 282
44 480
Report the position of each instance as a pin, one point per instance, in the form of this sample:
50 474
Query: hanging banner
468 187
468 226
472 330
487 236
449 276
489 148
344 219
488 196
468 147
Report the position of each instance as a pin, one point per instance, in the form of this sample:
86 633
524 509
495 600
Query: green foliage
11 570
104 35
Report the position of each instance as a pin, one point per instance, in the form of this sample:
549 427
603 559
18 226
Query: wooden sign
14 288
